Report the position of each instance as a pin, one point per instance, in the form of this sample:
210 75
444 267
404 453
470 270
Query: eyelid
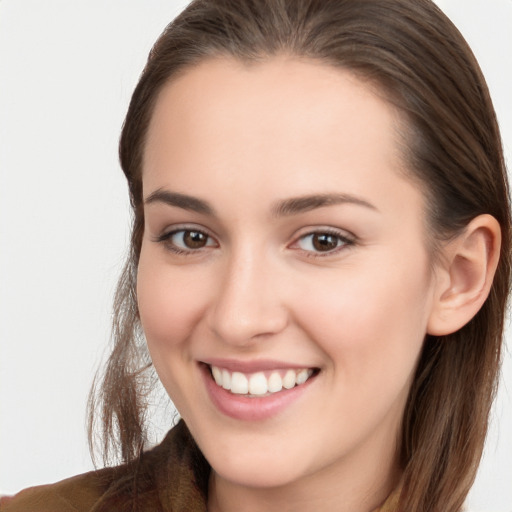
347 238
167 234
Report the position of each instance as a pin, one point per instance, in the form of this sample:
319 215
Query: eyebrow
303 204
287 207
181 201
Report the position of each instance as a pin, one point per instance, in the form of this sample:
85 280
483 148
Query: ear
464 275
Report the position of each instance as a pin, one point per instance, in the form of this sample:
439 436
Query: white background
67 69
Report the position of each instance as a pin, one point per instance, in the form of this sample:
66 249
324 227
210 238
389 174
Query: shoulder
171 474
75 494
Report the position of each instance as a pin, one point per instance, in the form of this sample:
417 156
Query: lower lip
241 407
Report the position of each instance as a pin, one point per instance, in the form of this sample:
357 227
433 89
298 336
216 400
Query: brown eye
324 241
184 240
194 239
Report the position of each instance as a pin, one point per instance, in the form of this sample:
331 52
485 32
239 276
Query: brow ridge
303 204
286 207
180 200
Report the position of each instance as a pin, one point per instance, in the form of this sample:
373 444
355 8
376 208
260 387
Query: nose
247 304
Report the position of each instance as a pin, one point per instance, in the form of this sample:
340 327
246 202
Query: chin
256 459
264 472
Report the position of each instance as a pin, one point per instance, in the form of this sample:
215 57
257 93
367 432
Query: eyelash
166 239
344 241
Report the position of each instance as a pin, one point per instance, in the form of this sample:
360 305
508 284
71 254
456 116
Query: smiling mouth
260 384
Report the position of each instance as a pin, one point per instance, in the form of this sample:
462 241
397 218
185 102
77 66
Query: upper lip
260 365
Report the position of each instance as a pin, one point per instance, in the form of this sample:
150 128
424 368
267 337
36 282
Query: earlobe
467 270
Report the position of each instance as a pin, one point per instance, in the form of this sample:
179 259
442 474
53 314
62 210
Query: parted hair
411 53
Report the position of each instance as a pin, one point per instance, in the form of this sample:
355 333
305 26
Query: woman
320 265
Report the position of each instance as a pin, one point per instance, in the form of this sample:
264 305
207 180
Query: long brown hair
416 57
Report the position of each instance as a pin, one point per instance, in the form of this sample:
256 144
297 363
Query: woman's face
282 243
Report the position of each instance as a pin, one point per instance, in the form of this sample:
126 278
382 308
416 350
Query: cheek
169 307
370 324
169 302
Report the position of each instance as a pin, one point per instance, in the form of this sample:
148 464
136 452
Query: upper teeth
259 383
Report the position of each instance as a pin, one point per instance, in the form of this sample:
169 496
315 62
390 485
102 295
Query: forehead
281 95
283 126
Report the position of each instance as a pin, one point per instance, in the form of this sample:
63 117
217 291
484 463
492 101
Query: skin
244 138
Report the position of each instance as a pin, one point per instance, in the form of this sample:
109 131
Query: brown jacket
172 477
